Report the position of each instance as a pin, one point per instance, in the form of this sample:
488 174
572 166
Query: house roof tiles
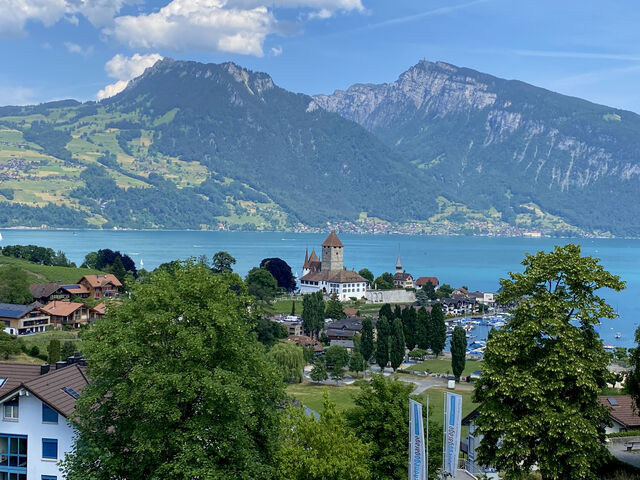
332 241
61 309
624 412
96 281
39 290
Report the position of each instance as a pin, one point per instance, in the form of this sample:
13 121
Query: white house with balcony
23 319
35 433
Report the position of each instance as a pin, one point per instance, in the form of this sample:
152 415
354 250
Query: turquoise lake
477 262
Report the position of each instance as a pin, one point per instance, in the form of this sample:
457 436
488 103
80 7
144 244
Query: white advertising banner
417 458
452 427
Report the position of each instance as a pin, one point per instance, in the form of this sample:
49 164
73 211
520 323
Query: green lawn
45 273
311 395
444 366
284 306
436 404
41 340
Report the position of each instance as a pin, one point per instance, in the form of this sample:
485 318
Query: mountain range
442 149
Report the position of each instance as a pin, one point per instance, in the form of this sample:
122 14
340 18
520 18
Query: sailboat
141 264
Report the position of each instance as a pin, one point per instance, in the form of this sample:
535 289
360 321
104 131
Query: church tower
332 253
398 264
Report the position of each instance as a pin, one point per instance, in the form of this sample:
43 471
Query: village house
23 319
306 341
47 292
422 281
67 313
37 403
101 286
622 413
329 275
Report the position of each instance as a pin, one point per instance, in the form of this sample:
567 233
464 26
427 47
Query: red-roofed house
100 286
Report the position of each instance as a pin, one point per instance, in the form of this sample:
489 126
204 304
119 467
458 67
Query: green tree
323 449
356 363
14 285
444 291
222 262
333 308
422 328
118 269
409 325
289 357
458 351
313 313
385 311
366 341
379 418
53 350
319 371
384 282
437 330
261 284
68 349
269 332
542 372
9 345
396 350
336 358
366 273
180 387
383 328
281 271
293 308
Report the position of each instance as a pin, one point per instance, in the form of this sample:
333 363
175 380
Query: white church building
329 275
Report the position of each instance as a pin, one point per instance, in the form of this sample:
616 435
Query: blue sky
53 49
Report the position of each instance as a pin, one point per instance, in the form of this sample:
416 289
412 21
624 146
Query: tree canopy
437 330
261 284
366 274
222 262
334 309
281 271
104 260
14 285
180 387
542 373
458 351
289 357
313 313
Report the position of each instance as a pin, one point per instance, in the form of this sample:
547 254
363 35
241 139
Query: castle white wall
390 296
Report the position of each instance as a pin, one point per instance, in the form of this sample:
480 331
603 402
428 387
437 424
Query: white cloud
124 69
234 26
15 14
112 89
197 24
276 51
80 50
10 95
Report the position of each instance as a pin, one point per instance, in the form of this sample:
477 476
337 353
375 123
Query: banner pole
427 445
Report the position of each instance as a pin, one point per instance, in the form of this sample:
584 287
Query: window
11 409
50 448
49 415
48 477
13 457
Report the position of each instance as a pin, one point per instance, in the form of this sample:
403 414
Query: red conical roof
332 241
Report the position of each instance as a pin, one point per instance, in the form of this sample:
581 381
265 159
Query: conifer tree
397 342
54 350
366 341
385 311
382 342
409 324
437 330
458 351
422 328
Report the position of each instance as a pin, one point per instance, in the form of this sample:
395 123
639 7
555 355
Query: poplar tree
382 342
409 324
313 313
437 330
422 328
396 353
458 351
366 341
543 371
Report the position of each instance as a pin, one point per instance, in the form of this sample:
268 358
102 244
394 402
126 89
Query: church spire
398 264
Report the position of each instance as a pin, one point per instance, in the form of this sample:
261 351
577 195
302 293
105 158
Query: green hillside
44 273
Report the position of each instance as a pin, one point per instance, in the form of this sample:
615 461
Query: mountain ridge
442 150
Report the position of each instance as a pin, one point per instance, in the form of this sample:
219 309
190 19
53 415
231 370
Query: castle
329 275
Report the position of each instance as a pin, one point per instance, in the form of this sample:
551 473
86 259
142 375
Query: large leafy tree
379 418
336 358
180 387
366 273
334 309
289 357
542 373
458 351
14 285
261 284
281 271
322 449
437 330
222 262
